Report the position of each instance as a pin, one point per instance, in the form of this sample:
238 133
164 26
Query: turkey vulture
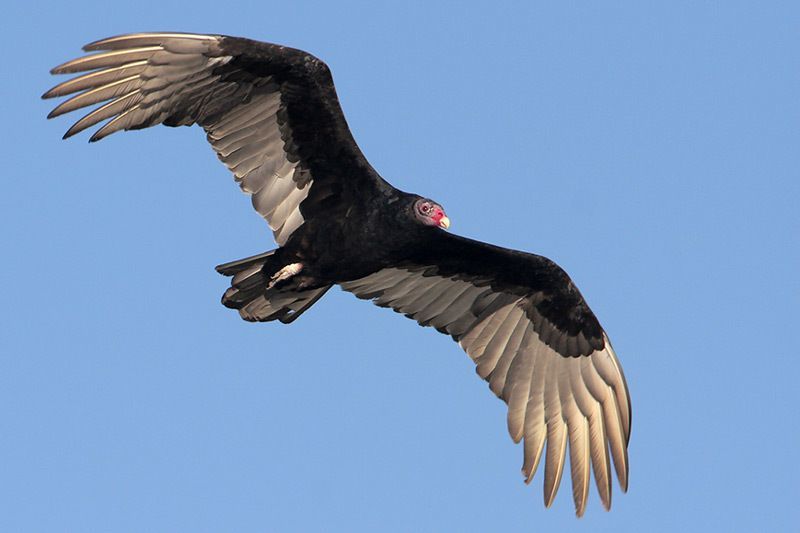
272 116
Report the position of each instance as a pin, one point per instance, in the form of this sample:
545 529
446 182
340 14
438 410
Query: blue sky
651 149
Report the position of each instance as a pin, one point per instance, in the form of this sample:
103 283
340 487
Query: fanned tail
250 295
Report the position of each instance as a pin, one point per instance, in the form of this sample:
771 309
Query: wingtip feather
127 40
554 459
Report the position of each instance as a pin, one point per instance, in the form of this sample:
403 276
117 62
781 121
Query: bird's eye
425 208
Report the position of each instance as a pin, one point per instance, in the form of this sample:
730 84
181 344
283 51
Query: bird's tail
249 292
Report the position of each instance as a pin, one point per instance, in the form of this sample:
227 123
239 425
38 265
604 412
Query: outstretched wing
270 112
524 323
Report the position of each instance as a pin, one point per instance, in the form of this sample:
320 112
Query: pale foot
285 273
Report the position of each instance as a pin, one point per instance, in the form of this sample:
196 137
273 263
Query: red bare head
430 213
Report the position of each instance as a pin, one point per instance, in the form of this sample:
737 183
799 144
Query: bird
272 115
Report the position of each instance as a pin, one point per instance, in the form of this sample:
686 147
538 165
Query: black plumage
272 115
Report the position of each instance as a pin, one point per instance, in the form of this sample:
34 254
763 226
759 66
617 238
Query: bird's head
430 213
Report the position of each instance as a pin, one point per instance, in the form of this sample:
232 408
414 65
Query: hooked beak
444 222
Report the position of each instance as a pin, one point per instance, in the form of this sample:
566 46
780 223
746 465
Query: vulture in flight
271 114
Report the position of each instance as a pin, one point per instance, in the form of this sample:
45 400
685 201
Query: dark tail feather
229 269
256 303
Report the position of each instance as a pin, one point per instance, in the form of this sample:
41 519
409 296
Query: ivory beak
444 222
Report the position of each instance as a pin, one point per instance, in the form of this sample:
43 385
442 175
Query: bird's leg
285 273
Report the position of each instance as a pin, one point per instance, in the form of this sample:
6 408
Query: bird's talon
285 273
